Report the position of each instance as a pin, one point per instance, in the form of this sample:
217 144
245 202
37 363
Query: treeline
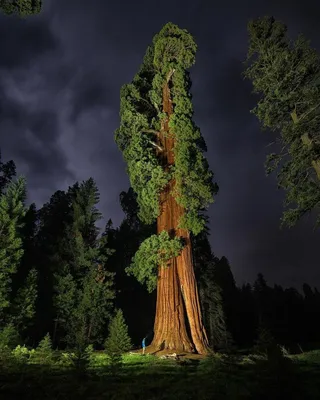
255 314
52 264
60 275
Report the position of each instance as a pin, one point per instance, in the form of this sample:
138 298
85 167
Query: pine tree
12 211
286 74
210 293
224 279
7 173
163 149
25 280
83 289
23 304
23 8
213 312
118 341
44 351
54 251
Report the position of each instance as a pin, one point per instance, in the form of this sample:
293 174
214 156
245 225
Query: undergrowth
46 374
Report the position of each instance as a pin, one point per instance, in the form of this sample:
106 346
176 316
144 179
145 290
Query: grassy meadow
24 374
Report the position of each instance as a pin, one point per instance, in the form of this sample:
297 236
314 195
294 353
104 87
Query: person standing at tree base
144 346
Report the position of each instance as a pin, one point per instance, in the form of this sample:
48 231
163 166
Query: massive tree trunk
177 292
170 331
190 293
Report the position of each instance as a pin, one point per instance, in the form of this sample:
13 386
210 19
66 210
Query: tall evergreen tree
23 304
83 287
212 308
54 250
19 278
287 76
164 152
12 211
224 279
7 172
209 291
25 281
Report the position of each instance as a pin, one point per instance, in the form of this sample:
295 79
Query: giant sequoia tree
164 151
286 74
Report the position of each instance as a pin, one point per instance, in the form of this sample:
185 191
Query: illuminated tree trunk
177 293
190 294
170 331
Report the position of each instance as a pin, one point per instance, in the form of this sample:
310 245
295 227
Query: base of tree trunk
172 347
153 351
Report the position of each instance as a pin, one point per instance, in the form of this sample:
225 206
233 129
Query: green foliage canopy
171 54
154 251
286 75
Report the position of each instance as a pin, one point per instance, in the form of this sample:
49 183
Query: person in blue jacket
144 345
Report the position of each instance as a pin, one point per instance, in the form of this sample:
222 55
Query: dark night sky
60 76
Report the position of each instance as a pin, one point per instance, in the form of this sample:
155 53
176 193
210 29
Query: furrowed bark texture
177 292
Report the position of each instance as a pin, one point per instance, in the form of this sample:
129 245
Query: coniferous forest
146 310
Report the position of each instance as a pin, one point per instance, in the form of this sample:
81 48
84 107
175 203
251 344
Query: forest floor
149 378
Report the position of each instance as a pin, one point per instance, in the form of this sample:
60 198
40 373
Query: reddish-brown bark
177 293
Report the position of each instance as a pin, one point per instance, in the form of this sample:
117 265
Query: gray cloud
30 137
89 91
22 41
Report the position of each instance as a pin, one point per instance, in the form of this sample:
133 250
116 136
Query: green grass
310 357
148 377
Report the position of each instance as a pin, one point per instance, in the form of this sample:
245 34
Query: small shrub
66 359
44 353
81 358
265 342
21 354
118 341
89 355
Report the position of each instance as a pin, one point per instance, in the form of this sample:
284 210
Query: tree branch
151 131
170 73
155 145
304 115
